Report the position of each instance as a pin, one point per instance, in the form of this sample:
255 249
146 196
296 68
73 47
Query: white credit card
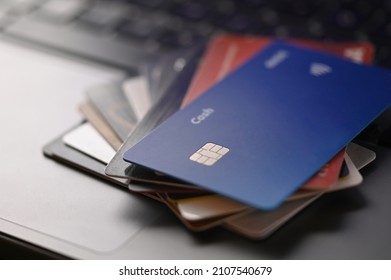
87 140
136 91
360 155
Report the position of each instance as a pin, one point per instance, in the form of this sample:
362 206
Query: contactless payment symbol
319 69
209 154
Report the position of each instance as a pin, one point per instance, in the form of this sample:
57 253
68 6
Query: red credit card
226 53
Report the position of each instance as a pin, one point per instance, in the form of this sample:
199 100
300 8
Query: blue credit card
262 132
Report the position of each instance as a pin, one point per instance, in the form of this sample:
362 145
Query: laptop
52 51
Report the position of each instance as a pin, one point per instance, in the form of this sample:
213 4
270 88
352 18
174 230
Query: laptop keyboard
154 25
126 32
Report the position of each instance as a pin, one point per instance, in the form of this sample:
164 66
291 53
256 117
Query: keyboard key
315 29
255 3
264 30
376 20
205 29
301 8
190 10
175 38
281 31
62 10
269 17
225 7
365 8
105 15
347 19
238 23
152 4
298 30
140 29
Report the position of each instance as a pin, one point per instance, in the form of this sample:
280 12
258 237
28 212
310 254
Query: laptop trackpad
39 98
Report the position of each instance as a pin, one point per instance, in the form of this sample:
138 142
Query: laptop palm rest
42 201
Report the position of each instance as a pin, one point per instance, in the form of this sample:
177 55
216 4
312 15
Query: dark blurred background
103 30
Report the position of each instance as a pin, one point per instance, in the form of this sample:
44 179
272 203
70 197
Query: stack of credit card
242 133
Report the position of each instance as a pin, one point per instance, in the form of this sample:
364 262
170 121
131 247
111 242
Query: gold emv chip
209 154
